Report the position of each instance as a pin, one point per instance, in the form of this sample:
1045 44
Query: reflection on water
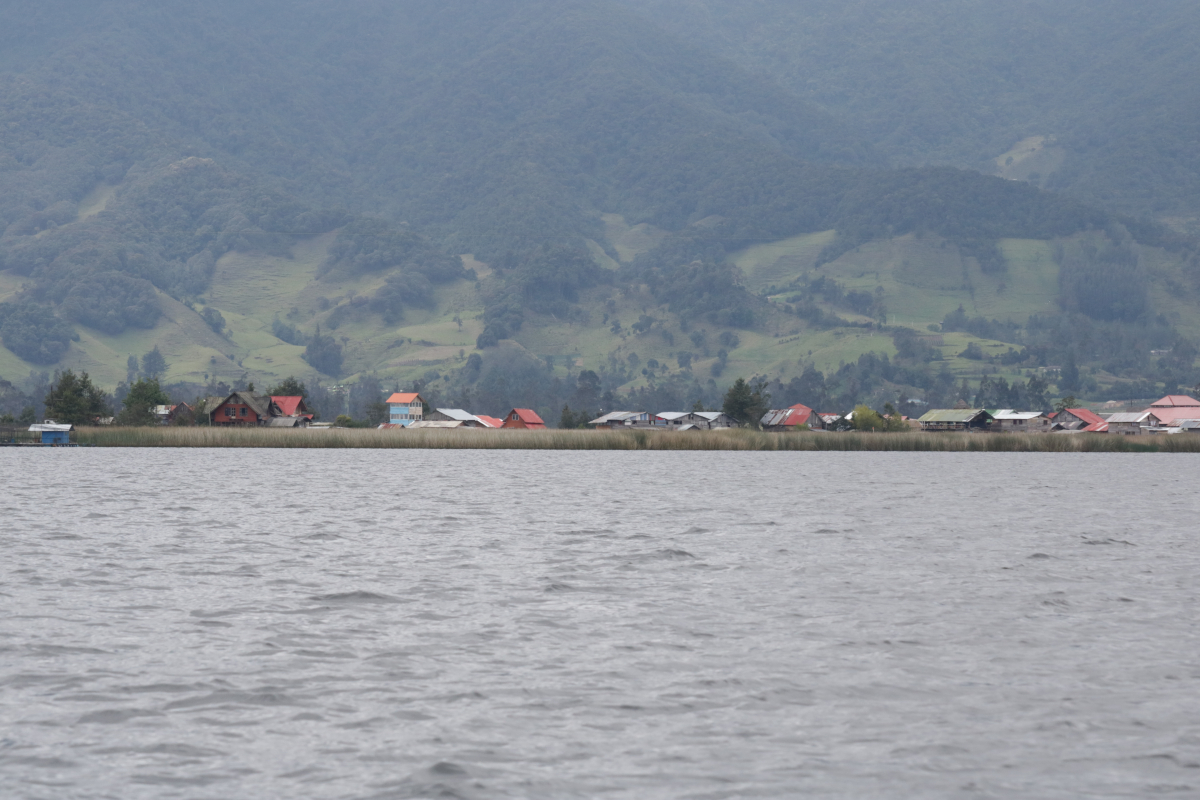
404 624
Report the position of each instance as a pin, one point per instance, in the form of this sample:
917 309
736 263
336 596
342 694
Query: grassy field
475 439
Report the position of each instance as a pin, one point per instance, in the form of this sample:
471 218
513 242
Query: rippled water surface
406 624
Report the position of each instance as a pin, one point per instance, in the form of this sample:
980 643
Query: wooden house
1075 419
242 408
714 420
523 418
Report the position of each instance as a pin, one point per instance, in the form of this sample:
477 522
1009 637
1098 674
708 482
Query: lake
528 624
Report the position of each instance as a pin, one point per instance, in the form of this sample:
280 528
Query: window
243 411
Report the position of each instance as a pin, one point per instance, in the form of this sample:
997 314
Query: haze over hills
378 189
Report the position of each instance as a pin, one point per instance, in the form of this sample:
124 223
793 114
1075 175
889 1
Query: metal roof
403 398
51 427
1175 400
1128 416
670 415
1087 416
458 414
711 416
438 423
615 416
951 415
1169 415
794 416
490 422
289 406
1010 414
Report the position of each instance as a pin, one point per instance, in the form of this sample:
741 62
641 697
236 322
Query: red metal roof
403 398
1097 427
491 422
1168 415
288 406
1088 417
527 416
1174 400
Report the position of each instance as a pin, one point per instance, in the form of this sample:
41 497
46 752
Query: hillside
488 199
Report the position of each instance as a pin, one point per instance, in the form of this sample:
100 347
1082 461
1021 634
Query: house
622 419
241 408
792 418
292 406
712 420
53 433
1132 423
1175 407
405 408
523 418
1008 421
490 422
955 419
829 420
1074 419
165 415
455 415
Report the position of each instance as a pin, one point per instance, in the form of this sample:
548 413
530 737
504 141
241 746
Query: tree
289 387
75 400
867 419
140 402
1067 402
747 402
1068 379
571 420
153 364
892 419
324 354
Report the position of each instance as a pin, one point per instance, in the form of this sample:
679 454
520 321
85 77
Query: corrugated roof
1175 400
670 415
51 427
613 416
438 423
458 414
527 416
1097 427
1010 414
1129 417
491 422
1088 417
403 398
289 406
951 415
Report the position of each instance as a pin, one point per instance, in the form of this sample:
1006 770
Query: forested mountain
1114 87
338 188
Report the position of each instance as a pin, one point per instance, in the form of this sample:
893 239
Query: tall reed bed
472 439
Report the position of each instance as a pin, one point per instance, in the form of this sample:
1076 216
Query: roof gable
1175 400
1084 415
527 416
404 399
290 406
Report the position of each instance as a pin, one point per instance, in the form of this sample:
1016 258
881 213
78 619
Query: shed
53 433
715 419
523 418
1009 421
955 419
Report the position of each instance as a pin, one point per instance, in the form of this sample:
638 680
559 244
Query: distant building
1075 419
1008 421
405 408
52 432
1132 423
523 418
955 419
623 419
792 418
713 420
292 406
241 408
1175 407
456 415
490 422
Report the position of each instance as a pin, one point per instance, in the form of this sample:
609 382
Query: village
1172 414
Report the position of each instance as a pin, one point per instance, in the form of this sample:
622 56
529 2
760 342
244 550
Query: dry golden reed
468 439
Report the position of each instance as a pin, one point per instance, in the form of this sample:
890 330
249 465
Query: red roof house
791 418
1175 407
491 422
291 406
1074 419
523 418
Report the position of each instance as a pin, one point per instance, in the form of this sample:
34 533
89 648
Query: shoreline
727 440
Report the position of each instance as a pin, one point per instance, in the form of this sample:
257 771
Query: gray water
497 624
